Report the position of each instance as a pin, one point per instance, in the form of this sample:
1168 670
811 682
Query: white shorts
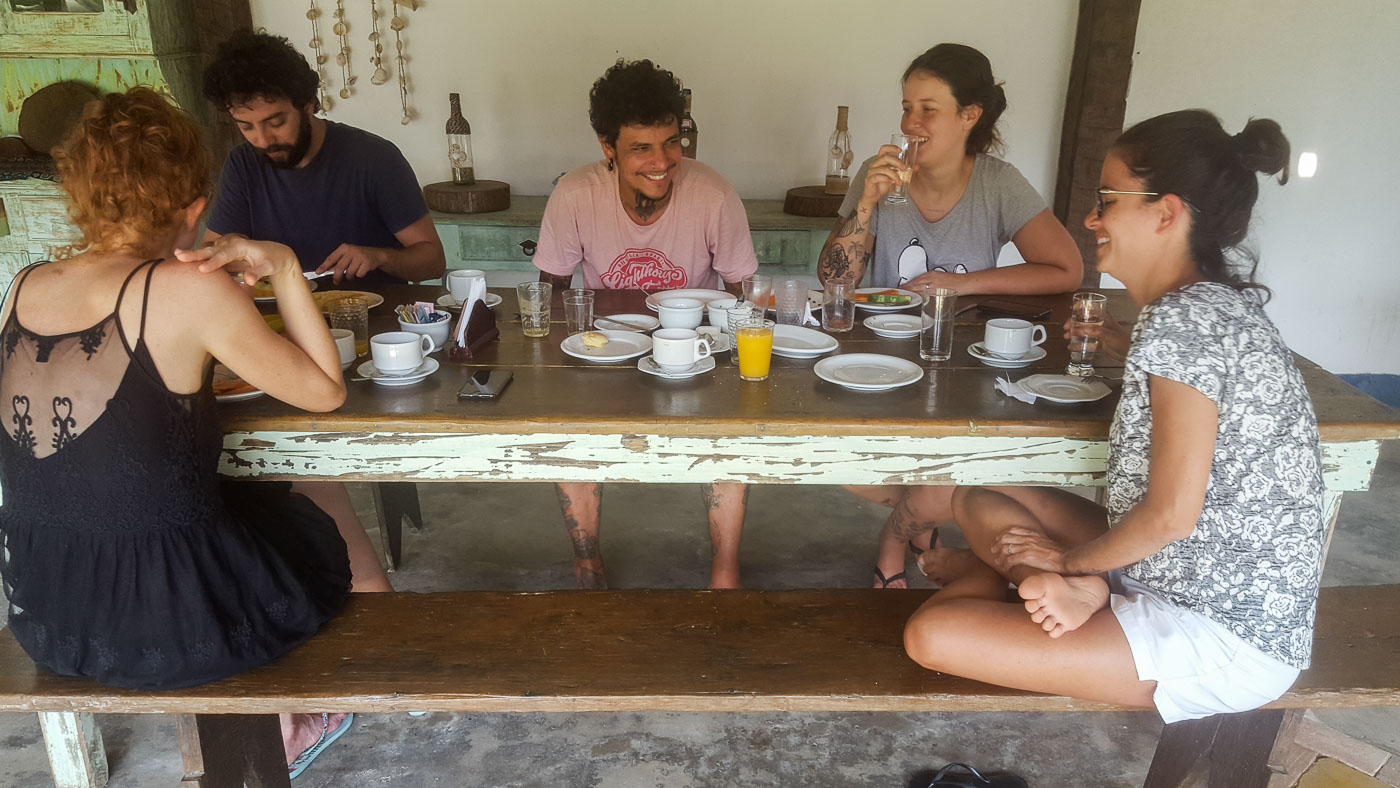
1201 668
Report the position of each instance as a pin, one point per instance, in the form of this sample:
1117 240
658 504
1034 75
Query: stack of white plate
801 342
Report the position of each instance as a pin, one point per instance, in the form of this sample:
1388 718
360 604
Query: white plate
621 346
428 367
979 352
1063 388
267 299
644 322
801 342
222 372
446 301
896 326
914 300
647 365
704 295
868 371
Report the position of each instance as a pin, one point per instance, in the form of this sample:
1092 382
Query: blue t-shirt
358 189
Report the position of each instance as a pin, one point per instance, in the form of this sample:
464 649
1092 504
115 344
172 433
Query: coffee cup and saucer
399 358
1009 343
677 353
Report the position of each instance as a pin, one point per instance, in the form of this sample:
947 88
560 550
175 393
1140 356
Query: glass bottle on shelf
459 144
689 132
839 156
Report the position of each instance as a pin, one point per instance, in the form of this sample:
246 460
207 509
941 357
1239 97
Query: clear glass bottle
459 144
690 133
839 156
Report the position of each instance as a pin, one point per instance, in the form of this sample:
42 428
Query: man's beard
295 152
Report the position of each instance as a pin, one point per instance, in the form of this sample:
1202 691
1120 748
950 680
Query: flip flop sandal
885 581
918 551
961 775
296 767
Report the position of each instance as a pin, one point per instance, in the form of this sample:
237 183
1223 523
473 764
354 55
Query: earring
610 165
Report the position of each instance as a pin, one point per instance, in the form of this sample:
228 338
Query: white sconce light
1307 164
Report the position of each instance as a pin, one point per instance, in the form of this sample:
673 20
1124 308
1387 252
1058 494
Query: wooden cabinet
37 214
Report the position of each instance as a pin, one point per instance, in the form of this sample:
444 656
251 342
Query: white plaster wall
1328 73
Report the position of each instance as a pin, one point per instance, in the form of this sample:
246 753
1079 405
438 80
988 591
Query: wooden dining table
568 419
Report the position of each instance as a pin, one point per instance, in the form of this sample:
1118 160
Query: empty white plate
649 366
868 371
703 295
621 346
801 342
896 326
368 370
914 300
1063 388
978 351
626 322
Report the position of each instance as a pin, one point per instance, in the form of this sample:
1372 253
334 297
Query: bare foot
301 731
943 564
1062 604
589 576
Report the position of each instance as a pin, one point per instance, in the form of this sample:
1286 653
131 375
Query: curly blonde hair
130 166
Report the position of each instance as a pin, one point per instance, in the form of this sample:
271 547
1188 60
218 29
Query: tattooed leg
582 506
916 514
725 505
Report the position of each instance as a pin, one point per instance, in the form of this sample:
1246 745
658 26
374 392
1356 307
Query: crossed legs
915 512
972 628
582 505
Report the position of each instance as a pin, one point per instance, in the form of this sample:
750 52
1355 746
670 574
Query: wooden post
74 745
1223 750
1094 107
232 751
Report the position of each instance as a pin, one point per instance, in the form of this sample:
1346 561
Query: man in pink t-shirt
645 218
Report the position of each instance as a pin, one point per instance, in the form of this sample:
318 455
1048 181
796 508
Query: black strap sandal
961 775
885 581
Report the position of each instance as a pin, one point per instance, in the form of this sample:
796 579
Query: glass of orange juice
754 342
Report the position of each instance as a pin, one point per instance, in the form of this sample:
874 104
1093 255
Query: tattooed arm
847 251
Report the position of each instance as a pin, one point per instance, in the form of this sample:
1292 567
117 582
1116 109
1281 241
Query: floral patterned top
1253 563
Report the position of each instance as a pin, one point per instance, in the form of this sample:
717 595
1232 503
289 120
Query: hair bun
1261 147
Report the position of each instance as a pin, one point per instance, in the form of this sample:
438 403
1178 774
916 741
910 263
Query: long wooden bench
705 651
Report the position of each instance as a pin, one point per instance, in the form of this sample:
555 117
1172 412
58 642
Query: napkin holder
479 330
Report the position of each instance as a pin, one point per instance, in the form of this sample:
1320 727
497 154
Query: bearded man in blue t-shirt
346 201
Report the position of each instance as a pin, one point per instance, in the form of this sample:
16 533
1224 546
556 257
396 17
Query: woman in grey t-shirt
1195 589
965 206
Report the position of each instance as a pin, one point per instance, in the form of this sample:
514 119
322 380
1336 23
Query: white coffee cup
680 312
718 310
398 353
345 344
459 283
677 349
1011 338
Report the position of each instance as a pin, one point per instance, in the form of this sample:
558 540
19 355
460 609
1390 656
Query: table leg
1223 750
74 744
392 502
232 751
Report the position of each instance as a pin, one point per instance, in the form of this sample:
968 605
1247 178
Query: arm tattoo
851 227
836 263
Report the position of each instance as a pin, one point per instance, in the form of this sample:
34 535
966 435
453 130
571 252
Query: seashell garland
342 58
314 14
381 75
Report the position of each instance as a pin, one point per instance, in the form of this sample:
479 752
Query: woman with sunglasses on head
1194 589
964 206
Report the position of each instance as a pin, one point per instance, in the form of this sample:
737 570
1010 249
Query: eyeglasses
1098 198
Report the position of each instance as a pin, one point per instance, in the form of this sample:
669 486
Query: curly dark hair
252 65
635 93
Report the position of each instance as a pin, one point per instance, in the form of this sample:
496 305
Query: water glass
578 310
790 300
838 310
353 314
753 342
936 335
534 307
739 313
757 289
908 151
1086 323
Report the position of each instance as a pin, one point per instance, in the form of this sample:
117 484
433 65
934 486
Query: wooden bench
702 651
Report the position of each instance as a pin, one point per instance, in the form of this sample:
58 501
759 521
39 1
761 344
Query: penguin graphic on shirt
914 261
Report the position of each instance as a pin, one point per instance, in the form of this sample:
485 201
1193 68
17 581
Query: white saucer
978 351
719 342
896 326
222 372
647 365
868 371
801 342
446 301
621 346
1063 388
610 322
428 367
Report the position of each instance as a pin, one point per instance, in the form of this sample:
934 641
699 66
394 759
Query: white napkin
807 319
1014 390
476 292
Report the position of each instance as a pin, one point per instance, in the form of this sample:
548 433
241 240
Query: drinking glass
738 314
838 310
754 344
534 307
1086 314
936 334
790 298
353 314
757 289
578 310
908 151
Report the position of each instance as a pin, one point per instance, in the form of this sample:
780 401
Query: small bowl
719 312
681 312
438 331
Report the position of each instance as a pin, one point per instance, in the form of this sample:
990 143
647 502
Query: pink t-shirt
701 237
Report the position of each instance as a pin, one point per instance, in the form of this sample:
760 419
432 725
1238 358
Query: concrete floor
655 537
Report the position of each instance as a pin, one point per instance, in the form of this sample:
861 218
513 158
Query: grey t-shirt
1254 561
997 204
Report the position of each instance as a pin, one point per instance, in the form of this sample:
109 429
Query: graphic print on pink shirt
643 269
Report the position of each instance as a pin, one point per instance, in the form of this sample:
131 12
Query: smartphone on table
486 384
999 307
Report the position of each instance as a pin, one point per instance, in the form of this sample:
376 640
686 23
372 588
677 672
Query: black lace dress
124 557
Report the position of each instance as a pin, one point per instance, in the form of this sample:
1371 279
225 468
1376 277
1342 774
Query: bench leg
74 745
232 751
1226 750
394 501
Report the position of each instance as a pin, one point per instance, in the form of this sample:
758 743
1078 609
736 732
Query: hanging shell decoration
381 74
342 58
397 24
314 14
